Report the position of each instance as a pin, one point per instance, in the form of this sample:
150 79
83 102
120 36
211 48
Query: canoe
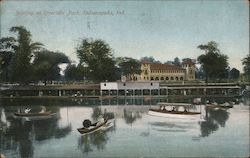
175 114
84 130
47 113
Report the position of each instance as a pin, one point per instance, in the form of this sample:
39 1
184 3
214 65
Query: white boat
175 114
181 115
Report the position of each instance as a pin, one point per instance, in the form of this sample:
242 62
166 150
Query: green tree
46 65
213 63
7 50
20 65
97 57
246 67
76 73
149 59
177 61
129 67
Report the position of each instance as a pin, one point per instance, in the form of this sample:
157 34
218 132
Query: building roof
165 67
188 62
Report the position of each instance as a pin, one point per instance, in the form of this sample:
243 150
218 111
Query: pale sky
162 29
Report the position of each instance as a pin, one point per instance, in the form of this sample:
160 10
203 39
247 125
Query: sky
162 29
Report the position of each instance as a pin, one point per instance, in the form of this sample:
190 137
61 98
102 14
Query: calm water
134 133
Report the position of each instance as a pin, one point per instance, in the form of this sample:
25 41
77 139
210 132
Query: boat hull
176 115
91 130
212 106
32 114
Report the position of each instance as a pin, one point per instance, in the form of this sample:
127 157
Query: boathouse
129 88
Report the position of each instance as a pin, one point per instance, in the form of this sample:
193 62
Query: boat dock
121 89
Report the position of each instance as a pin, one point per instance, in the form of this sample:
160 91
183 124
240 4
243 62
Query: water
223 133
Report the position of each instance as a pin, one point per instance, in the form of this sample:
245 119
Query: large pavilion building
167 72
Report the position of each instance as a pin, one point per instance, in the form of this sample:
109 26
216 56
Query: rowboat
21 114
98 126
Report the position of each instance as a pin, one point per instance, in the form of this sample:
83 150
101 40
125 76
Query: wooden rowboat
84 130
47 113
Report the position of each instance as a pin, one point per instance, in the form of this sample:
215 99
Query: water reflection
214 119
21 135
96 140
97 112
21 138
131 116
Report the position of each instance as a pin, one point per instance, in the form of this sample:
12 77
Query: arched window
181 78
172 78
176 78
152 79
157 78
162 78
167 78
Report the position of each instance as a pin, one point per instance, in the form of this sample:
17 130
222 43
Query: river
134 133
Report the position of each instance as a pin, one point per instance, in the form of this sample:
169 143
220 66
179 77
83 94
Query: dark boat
218 106
47 113
85 130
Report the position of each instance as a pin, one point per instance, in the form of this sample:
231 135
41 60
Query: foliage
234 73
177 61
77 73
97 57
17 54
45 65
7 49
129 66
213 63
22 60
246 67
149 59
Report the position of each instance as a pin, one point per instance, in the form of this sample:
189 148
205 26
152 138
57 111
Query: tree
97 57
7 50
177 61
20 65
129 67
76 73
246 67
149 59
45 65
234 73
213 63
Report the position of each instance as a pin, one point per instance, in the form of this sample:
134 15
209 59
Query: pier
121 89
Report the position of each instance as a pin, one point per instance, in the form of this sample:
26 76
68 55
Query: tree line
25 61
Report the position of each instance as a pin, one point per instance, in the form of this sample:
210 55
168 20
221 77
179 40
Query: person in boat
185 109
160 107
27 110
100 120
43 110
164 108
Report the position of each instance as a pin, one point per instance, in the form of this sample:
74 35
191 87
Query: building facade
167 72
